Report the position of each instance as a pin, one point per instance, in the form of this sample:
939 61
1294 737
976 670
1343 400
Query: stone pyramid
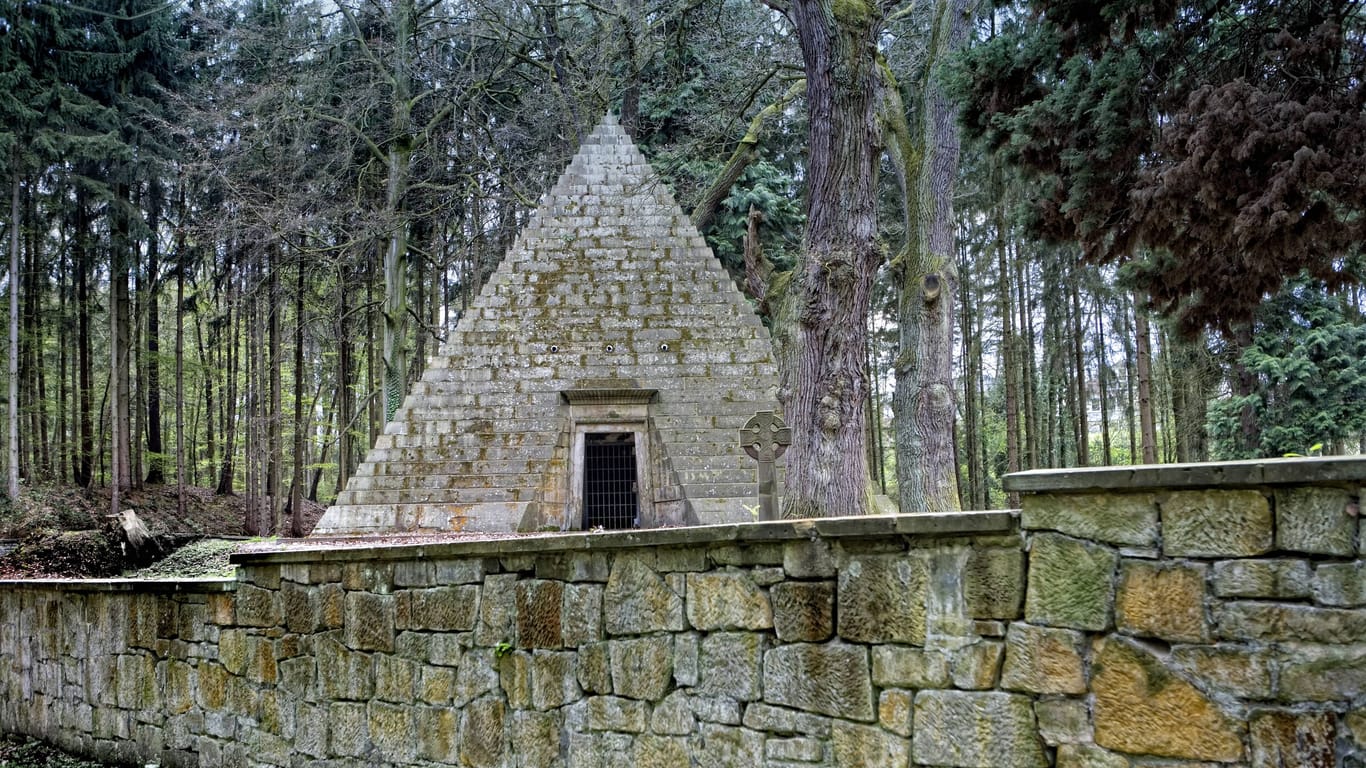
608 323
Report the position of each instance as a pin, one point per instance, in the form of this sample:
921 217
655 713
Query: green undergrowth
206 558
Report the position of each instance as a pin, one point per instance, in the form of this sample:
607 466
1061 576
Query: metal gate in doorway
610 491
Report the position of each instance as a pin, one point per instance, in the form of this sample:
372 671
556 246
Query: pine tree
1226 139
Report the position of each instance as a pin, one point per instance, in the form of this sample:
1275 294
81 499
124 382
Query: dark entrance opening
609 480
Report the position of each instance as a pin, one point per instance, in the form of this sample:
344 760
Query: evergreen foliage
1228 138
1308 357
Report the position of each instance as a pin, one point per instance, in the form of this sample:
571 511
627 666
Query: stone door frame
598 410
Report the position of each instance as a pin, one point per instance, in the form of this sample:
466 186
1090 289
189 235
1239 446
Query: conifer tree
1223 142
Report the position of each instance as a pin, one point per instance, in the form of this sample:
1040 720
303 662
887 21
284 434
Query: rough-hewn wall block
881 599
1223 523
830 679
1141 707
1114 518
1166 601
976 730
1071 583
1315 520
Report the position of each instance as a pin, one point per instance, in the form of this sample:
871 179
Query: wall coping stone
200 585
384 548
1317 470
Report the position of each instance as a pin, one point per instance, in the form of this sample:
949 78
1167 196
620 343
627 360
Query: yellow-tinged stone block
1165 601
1141 707
221 610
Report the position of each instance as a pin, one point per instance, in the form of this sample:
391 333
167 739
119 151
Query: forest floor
21 752
65 532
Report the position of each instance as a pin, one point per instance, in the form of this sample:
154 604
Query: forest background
236 228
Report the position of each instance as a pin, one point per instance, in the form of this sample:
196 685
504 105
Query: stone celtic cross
765 437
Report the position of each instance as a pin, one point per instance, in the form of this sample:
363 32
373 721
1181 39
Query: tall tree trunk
180 365
1029 371
826 386
63 443
1192 372
274 408
1144 365
345 395
12 477
1127 335
1081 403
232 330
923 403
35 278
156 466
971 353
119 385
1103 384
84 473
399 162
1010 359
296 489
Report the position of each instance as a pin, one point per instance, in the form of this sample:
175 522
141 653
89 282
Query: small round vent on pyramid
600 380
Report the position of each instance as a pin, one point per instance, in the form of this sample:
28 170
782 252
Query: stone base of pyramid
610 349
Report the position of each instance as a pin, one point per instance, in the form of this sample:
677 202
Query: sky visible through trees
235 230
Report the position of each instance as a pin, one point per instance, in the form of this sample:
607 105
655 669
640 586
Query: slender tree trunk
1127 335
1029 371
180 367
274 409
923 403
971 357
1082 411
12 478
206 363
1144 366
296 489
35 277
156 466
119 346
85 461
63 442
825 388
1103 384
232 330
1010 359
345 396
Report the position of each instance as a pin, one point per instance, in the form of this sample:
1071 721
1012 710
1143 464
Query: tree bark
119 385
1082 420
180 365
296 490
156 468
84 472
12 476
923 403
1010 359
1144 364
825 390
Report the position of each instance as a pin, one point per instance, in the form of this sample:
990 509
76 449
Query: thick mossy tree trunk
923 403
825 389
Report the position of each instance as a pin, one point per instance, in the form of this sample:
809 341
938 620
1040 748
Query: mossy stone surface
1071 583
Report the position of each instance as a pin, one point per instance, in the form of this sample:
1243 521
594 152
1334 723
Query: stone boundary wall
1211 615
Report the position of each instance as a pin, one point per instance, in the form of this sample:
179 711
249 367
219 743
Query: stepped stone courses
610 291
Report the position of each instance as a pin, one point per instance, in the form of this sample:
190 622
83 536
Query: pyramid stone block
609 330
